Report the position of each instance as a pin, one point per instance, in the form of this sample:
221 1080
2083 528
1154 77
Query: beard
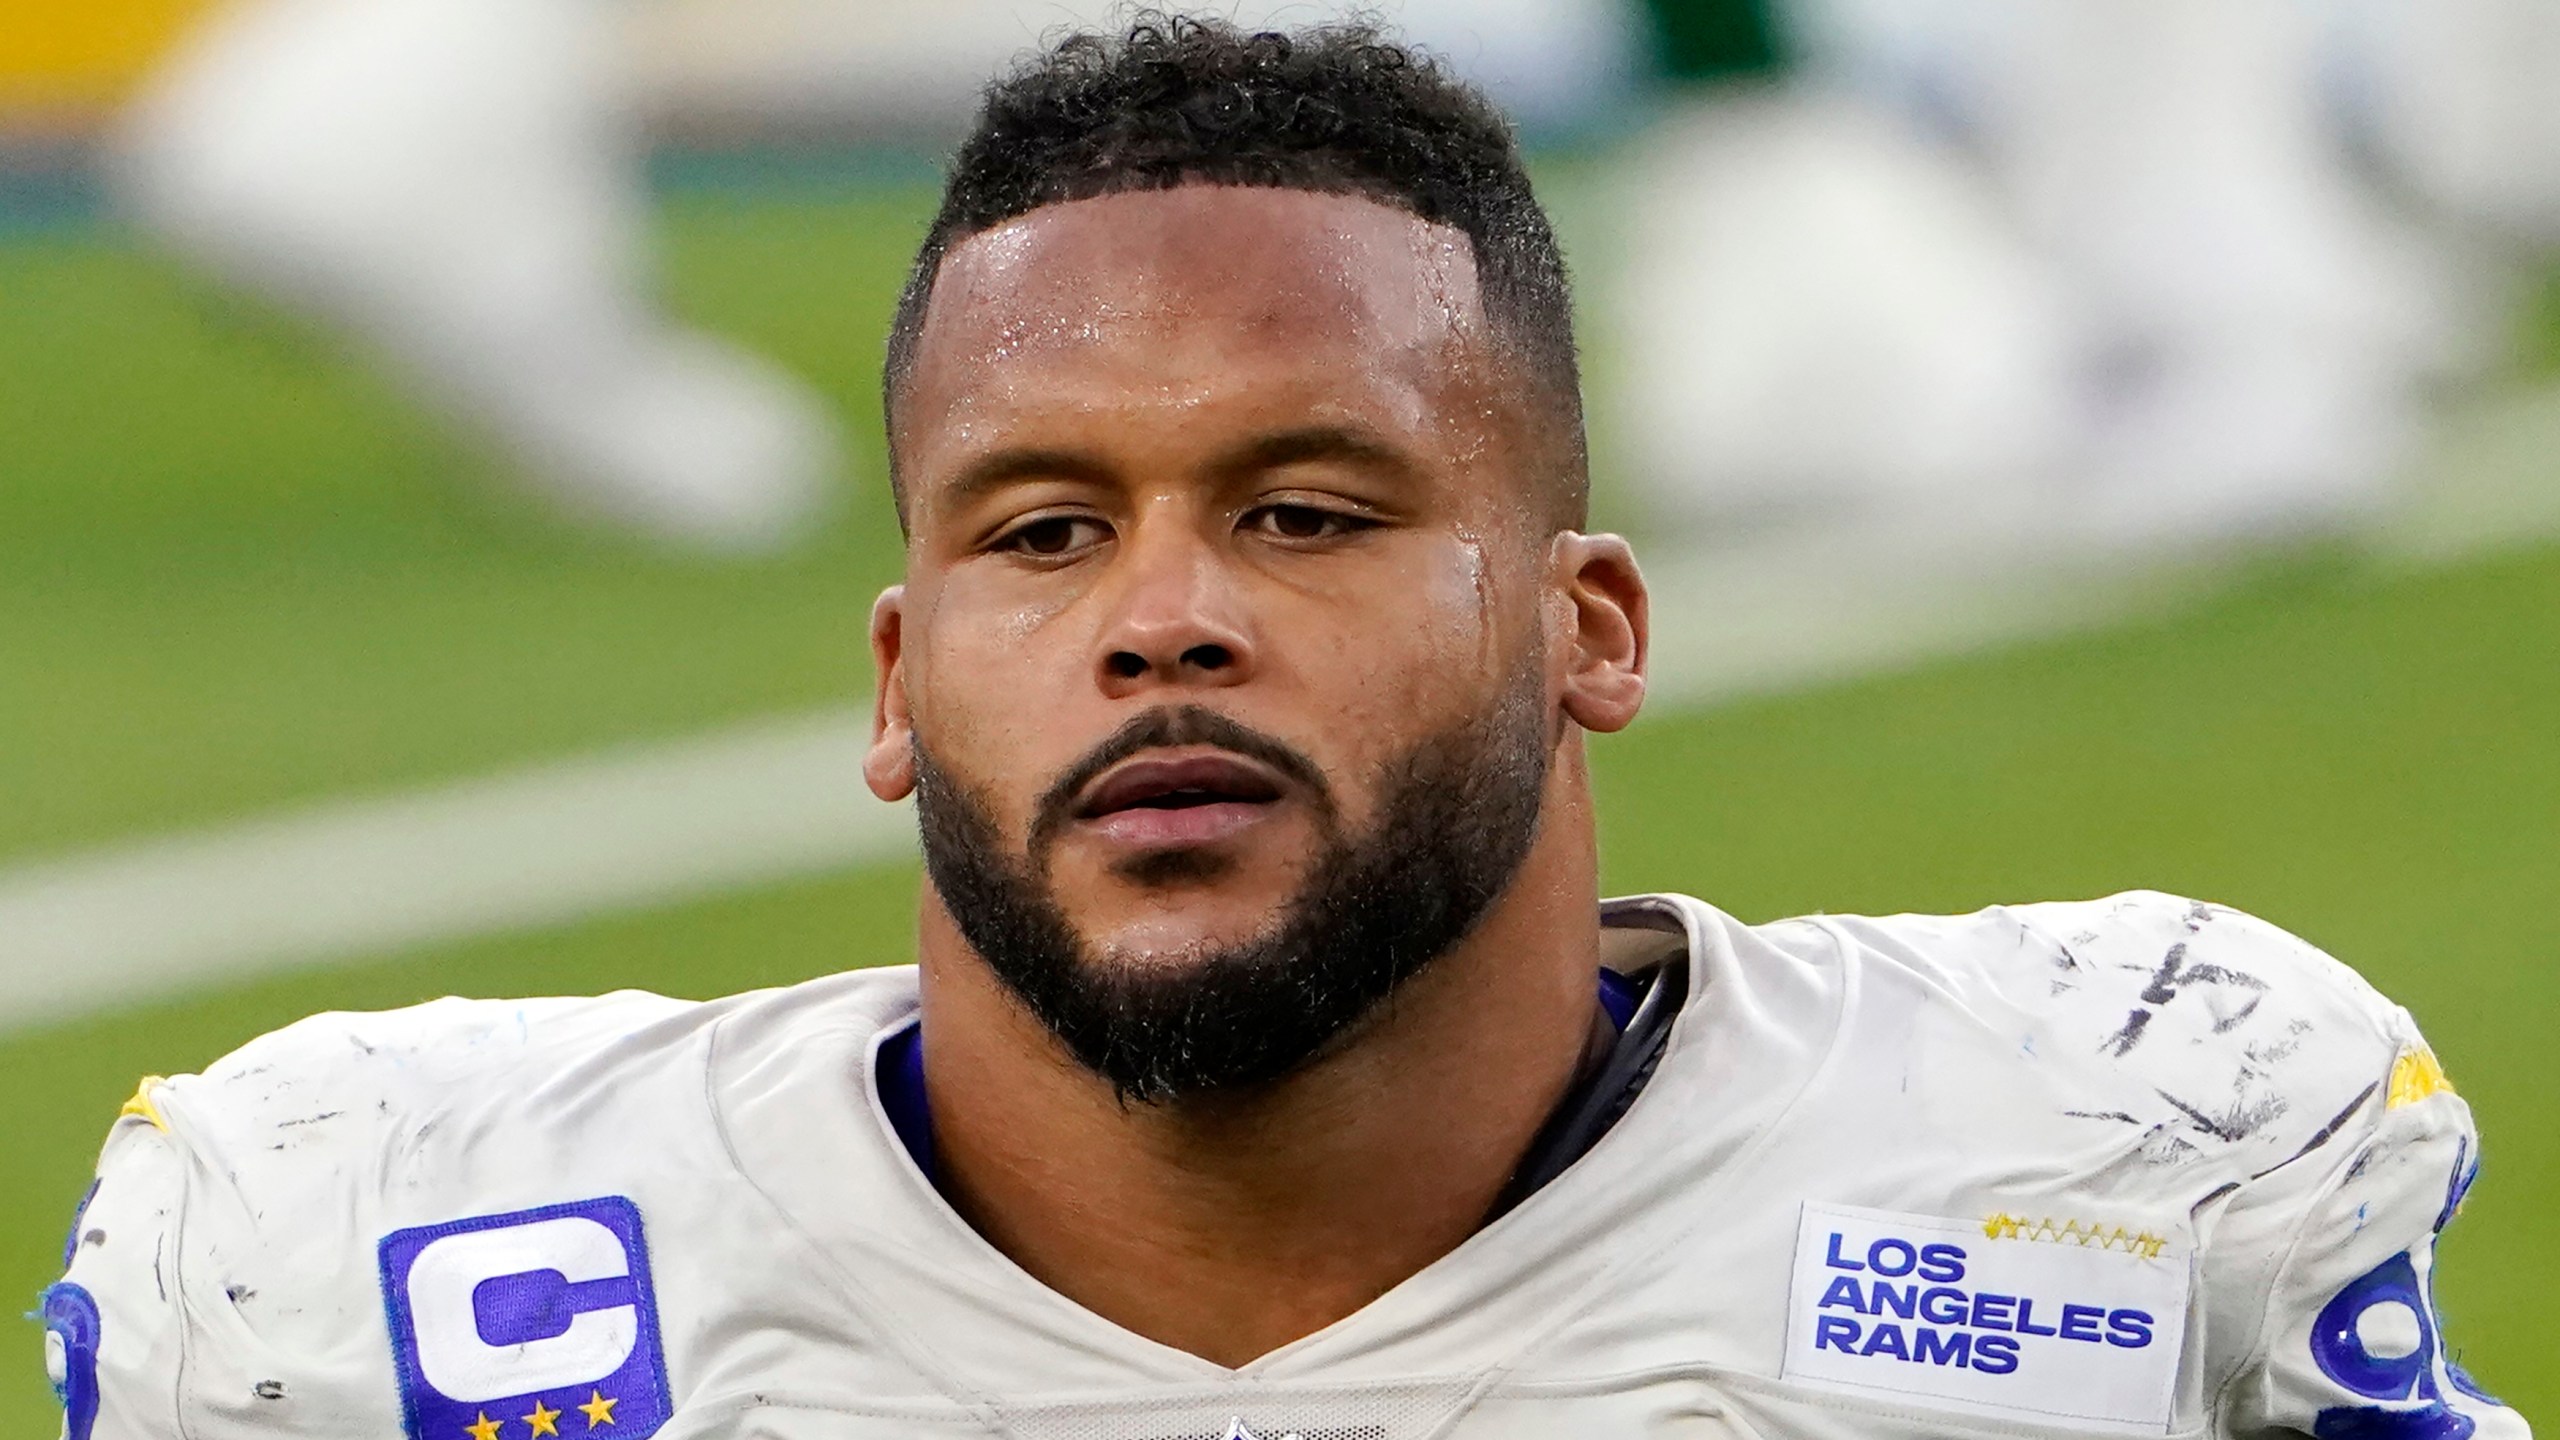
1455 818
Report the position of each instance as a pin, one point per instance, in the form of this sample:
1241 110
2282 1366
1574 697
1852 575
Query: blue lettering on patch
503 1325
1959 1327
1939 1349
1917 1345
1917 1306
1995 1354
1941 1305
1991 1311
72 1330
2080 1322
1834 1259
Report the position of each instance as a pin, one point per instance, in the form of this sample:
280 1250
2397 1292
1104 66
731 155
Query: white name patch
2009 1317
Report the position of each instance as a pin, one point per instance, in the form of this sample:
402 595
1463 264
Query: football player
1271 1066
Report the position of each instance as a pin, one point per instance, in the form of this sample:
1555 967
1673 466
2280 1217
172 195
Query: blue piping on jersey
902 1095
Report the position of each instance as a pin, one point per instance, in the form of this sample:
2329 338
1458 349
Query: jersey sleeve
2354 1345
114 1324
193 1308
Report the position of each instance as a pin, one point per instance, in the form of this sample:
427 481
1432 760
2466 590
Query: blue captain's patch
71 1334
527 1326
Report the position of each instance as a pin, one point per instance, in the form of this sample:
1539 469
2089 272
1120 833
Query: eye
1304 522
1052 536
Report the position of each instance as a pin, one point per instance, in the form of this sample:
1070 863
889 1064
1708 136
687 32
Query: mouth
1161 800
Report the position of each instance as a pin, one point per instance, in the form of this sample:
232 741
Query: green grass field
235 574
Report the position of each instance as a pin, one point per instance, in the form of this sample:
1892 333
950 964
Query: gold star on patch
599 1411
543 1418
487 1429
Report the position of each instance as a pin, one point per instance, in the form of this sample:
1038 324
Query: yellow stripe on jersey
2415 1076
142 1104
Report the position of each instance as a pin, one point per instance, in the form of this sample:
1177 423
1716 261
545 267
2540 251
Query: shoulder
225 1261
341 1065
434 1099
2222 1035
2116 967
305 1105
343 1076
353 1118
238 1250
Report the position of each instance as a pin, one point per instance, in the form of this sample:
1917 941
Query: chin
1230 888
1193 934
1194 867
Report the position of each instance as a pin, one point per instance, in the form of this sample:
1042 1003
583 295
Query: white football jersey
2136 1166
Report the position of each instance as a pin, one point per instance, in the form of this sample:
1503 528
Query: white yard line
615 830
632 827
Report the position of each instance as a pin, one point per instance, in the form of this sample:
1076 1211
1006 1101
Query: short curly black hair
1175 100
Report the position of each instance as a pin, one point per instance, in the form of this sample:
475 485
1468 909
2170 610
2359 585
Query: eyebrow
1296 446
993 472
1351 443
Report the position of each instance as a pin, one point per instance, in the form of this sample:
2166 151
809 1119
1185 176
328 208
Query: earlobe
889 766
1604 683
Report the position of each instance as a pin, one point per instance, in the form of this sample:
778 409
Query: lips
1179 782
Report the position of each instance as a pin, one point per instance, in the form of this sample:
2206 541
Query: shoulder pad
346 1071
2224 1039
2257 1044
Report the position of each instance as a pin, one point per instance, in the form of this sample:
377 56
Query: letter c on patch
445 1282
539 1308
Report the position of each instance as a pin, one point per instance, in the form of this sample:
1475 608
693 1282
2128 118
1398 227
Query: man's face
1225 576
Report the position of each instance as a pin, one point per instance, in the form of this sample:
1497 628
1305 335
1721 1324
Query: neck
1228 1226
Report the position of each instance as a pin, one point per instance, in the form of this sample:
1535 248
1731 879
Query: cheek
1456 619
1415 656
983 652
983 694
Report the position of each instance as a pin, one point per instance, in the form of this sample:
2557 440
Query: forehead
1192 295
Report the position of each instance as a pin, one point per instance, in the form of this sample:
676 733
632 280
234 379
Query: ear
889 767
1609 625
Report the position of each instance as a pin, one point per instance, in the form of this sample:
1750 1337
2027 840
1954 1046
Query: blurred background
2075 448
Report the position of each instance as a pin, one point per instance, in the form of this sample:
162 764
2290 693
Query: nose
1177 619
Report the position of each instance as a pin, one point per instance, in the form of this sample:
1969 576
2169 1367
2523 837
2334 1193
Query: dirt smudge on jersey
2175 977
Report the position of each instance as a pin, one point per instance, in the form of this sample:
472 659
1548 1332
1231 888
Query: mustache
1164 729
